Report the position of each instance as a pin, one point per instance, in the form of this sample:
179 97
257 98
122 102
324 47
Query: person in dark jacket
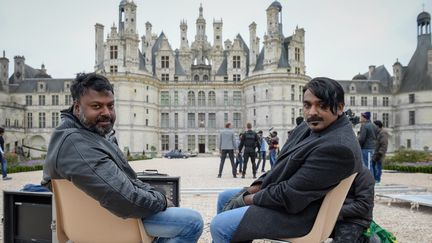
367 138
250 142
356 213
380 151
284 202
2 158
84 151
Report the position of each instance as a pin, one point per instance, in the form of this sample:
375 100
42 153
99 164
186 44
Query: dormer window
375 88
41 87
352 88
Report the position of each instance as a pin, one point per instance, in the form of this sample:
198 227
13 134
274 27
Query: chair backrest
81 219
328 213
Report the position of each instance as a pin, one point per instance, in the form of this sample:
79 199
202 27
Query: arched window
205 78
191 98
201 98
212 98
196 78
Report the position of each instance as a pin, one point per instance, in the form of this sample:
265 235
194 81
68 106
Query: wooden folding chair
81 219
327 215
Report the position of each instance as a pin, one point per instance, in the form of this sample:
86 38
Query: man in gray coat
367 138
285 201
83 150
227 145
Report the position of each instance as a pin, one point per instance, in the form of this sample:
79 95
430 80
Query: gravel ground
408 225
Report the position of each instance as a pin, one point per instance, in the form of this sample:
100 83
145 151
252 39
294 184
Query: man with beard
84 151
284 202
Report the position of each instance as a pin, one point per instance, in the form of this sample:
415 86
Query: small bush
407 155
21 168
11 158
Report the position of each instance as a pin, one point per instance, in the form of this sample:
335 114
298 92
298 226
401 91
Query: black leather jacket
359 203
96 165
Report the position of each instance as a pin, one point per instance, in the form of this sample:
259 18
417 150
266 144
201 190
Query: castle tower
200 26
273 38
99 46
424 36
127 18
217 34
4 70
184 43
19 67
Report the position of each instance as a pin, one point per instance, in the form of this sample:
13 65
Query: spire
4 53
201 11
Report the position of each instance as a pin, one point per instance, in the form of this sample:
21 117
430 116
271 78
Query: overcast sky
343 37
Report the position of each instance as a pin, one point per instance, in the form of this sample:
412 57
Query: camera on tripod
352 117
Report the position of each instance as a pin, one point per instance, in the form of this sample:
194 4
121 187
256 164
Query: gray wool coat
309 165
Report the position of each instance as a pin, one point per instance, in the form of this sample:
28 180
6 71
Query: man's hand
248 199
235 202
169 203
254 189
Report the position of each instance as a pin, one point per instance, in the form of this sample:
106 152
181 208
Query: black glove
236 201
376 157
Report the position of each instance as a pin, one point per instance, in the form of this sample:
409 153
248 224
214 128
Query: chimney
371 71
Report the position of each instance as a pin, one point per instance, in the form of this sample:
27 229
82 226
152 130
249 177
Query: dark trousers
345 232
3 166
261 157
252 155
224 153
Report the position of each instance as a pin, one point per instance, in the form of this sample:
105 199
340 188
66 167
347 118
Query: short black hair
328 90
85 81
299 120
378 123
2 130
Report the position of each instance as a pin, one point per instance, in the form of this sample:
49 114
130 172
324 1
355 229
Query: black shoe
254 176
7 178
243 176
262 170
219 176
235 176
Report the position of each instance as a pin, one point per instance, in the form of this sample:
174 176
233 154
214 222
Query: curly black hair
86 81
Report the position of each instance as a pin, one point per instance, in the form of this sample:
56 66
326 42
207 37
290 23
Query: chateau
180 98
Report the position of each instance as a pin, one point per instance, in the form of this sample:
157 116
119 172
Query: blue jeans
175 225
367 158
272 153
377 170
239 162
3 166
262 157
224 224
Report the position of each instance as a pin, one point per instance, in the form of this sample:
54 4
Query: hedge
408 168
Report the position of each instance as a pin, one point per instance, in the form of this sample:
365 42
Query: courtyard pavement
201 173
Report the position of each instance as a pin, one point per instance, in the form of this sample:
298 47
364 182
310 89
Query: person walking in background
380 151
366 138
273 142
250 142
227 145
262 151
2 158
239 155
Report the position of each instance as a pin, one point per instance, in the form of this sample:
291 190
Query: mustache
314 119
104 119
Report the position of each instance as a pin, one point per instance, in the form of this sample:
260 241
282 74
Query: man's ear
76 108
340 109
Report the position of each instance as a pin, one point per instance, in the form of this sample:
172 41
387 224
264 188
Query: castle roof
30 72
30 85
415 75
